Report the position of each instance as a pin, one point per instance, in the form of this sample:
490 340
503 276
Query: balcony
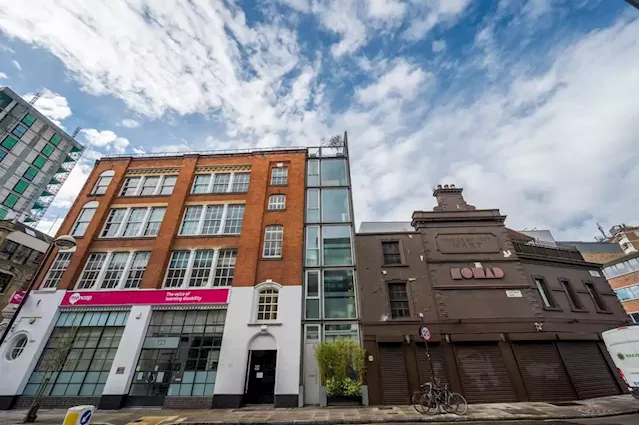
541 250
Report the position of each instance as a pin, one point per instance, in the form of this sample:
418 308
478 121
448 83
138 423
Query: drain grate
384 408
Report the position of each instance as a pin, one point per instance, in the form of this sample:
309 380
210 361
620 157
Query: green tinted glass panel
29 120
2 154
21 186
11 200
48 150
39 161
3 213
55 139
30 173
9 142
5 100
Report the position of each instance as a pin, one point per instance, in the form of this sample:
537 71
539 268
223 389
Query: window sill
552 308
385 266
279 185
579 310
276 210
271 258
218 193
96 195
219 235
603 311
129 238
266 323
142 196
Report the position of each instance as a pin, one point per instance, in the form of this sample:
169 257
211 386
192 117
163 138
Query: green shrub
342 367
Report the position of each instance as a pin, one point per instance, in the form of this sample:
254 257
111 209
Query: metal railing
547 250
208 152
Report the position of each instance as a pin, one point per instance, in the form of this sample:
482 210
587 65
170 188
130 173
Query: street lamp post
61 242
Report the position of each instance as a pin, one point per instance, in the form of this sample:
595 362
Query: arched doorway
261 376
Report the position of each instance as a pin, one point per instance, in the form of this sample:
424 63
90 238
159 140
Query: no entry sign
425 333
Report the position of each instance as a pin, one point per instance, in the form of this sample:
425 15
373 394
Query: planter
336 400
364 390
323 396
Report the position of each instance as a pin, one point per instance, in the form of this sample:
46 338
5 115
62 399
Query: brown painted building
511 320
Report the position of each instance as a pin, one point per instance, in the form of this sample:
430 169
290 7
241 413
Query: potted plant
341 365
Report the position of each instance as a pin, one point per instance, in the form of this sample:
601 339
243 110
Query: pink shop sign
17 297
142 297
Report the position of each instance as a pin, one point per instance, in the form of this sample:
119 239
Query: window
221 182
3 154
334 172
84 218
30 174
391 253
339 295
21 186
313 172
115 270
177 269
201 183
58 267
313 205
21 254
201 269
233 222
17 347
312 288
272 242
571 295
55 139
212 220
225 267
276 202
9 142
346 331
279 176
48 150
312 257
627 293
268 304
398 300
36 257
29 120
130 186
541 285
168 183
11 200
133 222
138 266
19 130
5 100
335 206
621 268
39 161
103 183
149 185
91 271
8 248
240 182
87 342
634 317
191 220
595 296
5 278
336 245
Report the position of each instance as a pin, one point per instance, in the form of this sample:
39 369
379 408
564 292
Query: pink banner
17 297
155 297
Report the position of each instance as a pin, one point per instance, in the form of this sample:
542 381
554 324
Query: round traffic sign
424 333
86 417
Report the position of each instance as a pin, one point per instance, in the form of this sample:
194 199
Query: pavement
482 413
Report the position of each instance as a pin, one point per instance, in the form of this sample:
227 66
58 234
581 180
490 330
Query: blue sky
531 106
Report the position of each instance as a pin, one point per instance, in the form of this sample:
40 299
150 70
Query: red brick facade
630 306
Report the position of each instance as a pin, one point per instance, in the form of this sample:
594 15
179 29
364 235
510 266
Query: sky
531 107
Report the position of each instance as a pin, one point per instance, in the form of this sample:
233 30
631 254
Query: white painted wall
128 350
42 306
241 333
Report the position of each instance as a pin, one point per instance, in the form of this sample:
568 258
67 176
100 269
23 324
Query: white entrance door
311 375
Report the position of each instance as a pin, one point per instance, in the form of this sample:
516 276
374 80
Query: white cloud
430 13
49 225
129 123
386 9
106 139
17 64
3 76
402 80
52 105
72 186
438 46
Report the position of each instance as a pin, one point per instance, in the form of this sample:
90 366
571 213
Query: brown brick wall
624 280
630 306
251 268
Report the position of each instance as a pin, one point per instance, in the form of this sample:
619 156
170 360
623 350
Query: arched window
103 182
85 216
267 304
17 347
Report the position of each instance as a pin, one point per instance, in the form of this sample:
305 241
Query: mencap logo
75 297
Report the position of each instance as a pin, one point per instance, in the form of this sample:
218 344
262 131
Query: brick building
625 236
184 289
622 275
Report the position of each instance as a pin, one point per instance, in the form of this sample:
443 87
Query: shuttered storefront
587 369
436 359
393 373
483 374
543 373
622 385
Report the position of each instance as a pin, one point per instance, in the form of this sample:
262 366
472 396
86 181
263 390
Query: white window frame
125 187
256 302
279 176
277 202
58 267
16 350
132 268
104 268
273 228
154 188
157 191
90 208
163 184
212 179
127 215
101 187
203 213
186 279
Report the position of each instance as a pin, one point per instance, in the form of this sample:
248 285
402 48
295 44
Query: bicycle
432 396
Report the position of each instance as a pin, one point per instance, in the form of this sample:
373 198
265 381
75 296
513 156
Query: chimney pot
453 186
446 186
439 186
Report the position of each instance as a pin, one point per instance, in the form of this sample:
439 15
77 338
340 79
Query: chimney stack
450 199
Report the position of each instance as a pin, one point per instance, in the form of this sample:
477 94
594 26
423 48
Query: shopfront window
180 354
78 356
339 294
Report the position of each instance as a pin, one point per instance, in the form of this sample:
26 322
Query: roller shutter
543 373
587 369
483 374
436 360
393 373
622 385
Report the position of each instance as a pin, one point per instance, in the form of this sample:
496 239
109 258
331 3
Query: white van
622 344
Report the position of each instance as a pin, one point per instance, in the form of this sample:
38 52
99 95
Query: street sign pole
426 337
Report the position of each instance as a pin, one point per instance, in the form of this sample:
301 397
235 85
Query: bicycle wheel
416 400
456 403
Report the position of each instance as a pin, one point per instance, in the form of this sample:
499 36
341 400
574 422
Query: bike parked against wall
433 396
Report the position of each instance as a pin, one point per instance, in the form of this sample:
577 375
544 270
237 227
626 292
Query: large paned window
627 293
267 305
273 241
313 172
148 185
391 253
276 202
334 172
398 300
313 206
212 220
84 218
312 294
138 266
167 185
339 294
541 285
336 245
130 186
78 356
313 246
573 297
180 354
279 176
201 268
91 271
595 297
240 182
59 265
334 332
221 183
621 268
113 270
335 206
133 222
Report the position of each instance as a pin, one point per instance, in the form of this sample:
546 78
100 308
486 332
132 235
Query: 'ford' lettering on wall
477 273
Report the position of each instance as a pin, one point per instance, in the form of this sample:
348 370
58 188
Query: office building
622 275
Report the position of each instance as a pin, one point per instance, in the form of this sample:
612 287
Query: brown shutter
436 360
624 387
543 372
395 387
483 374
587 369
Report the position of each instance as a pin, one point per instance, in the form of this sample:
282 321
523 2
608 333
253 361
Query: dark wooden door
262 377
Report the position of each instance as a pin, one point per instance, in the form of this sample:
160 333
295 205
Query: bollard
79 415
